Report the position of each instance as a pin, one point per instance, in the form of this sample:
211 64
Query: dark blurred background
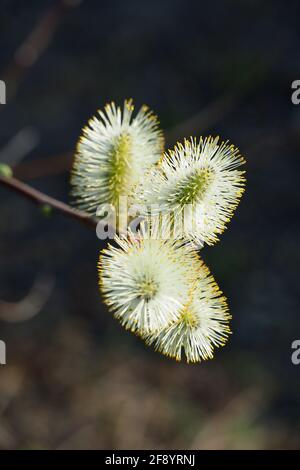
74 378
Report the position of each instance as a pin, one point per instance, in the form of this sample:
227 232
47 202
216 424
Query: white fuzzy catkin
113 154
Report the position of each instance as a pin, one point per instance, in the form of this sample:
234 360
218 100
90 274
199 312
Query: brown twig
42 199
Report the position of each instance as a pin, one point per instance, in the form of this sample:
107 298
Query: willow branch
40 198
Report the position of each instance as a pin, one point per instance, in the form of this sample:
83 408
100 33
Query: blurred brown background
74 378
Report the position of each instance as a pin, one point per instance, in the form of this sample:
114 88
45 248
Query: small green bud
46 210
5 170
